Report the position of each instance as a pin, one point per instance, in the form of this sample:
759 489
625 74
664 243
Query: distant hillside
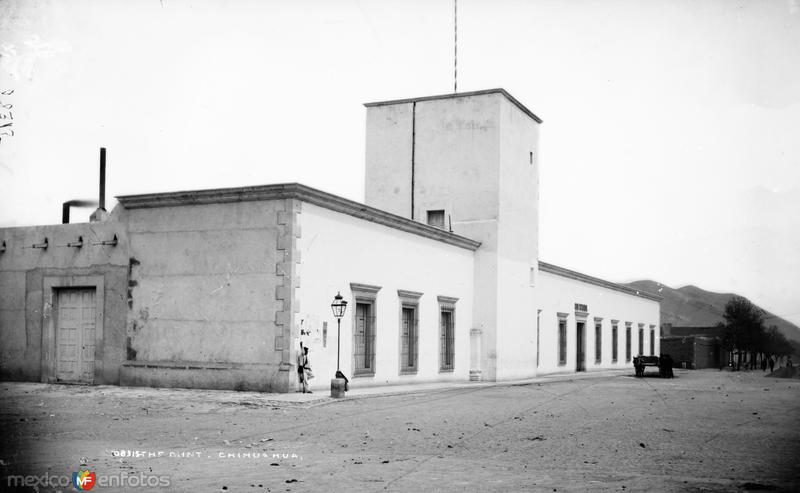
693 306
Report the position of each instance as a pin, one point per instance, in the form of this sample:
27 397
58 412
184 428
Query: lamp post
338 307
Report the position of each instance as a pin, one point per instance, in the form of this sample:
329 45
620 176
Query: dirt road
702 431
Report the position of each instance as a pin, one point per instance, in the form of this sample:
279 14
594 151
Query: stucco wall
388 158
457 169
337 249
472 158
518 237
204 291
554 294
26 351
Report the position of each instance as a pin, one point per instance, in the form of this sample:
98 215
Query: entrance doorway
580 352
76 320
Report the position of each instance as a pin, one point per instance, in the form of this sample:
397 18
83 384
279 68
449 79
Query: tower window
436 218
531 157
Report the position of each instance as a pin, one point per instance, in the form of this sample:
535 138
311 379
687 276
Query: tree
775 343
744 326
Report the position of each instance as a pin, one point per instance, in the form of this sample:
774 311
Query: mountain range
692 306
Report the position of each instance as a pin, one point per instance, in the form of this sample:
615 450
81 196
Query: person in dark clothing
771 364
666 365
303 369
763 364
339 374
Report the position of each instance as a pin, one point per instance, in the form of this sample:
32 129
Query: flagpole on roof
455 46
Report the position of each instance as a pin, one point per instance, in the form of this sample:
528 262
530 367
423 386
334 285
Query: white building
440 269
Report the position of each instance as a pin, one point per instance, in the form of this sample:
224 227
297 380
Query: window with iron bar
409 324
614 343
627 342
447 350
447 333
364 328
364 348
641 340
409 330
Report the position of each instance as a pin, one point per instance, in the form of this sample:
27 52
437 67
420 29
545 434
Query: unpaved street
702 431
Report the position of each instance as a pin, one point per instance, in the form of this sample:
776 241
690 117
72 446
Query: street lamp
338 306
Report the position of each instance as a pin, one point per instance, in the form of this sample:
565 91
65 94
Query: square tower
468 163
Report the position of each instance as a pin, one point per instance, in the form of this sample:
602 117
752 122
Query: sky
670 148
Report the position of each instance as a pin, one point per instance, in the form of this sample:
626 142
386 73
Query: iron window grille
562 342
364 349
364 328
614 342
447 339
409 338
628 344
641 341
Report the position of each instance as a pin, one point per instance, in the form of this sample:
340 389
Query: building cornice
357 287
300 192
410 295
447 300
498 90
571 274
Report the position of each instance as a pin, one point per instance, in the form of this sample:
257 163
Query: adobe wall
680 349
28 277
207 307
696 352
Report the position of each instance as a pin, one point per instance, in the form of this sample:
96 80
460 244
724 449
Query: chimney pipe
100 214
102 204
73 203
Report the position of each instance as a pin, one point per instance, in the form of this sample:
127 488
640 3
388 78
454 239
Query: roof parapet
300 192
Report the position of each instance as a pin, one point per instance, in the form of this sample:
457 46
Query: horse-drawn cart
663 363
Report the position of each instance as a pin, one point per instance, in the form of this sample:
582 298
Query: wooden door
76 313
580 353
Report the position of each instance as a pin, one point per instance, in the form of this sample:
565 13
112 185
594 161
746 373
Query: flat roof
498 90
299 192
571 274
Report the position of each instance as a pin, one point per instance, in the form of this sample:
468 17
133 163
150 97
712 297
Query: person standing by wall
307 373
302 359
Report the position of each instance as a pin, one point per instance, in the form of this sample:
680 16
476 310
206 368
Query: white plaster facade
475 156
338 250
558 291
